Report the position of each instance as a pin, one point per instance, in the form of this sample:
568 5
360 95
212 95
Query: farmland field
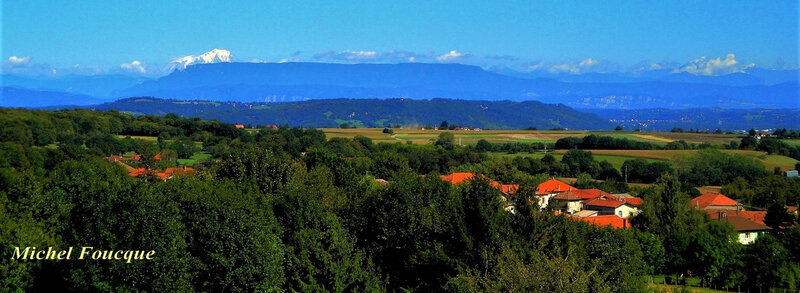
615 160
769 161
794 142
470 137
197 157
615 157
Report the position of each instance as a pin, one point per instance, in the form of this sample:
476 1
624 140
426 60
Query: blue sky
103 35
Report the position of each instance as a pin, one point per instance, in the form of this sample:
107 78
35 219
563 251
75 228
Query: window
620 214
746 235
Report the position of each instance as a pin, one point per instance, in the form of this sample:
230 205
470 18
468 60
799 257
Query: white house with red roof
608 206
749 225
546 190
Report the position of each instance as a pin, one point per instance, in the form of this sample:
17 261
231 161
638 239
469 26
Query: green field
769 161
198 144
147 138
615 160
615 157
793 142
471 137
660 288
197 157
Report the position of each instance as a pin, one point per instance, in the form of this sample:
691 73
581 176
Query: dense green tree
483 146
716 254
666 213
445 140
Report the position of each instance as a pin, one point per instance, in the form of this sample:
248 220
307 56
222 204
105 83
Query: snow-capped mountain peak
213 56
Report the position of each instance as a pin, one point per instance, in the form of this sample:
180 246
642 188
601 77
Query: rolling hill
12 97
372 112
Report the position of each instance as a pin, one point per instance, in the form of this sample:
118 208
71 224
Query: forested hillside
372 113
288 210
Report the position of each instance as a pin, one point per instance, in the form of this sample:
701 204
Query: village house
508 190
792 210
546 190
747 225
715 201
606 206
164 175
568 201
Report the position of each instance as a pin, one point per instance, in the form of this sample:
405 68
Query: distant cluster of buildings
241 126
593 206
601 208
145 172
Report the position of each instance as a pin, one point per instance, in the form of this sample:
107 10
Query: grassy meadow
470 137
615 157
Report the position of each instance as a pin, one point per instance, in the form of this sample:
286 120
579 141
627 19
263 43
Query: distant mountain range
372 113
23 98
703 119
754 76
286 82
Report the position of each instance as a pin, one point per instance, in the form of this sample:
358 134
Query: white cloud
19 60
717 66
134 66
348 55
451 56
213 56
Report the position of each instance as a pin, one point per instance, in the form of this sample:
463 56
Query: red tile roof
594 193
460 177
603 202
583 194
755 216
742 222
634 201
568 195
239 125
606 220
140 172
167 173
509 188
552 186
712 199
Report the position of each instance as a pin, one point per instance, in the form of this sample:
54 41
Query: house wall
748 237
712 207
573 207
544 200
625 211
